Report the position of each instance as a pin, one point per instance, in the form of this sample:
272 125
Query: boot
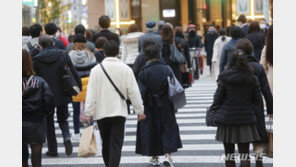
259 163
245 163
259 160
230 163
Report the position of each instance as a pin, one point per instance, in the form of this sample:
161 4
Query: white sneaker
168 162
75 137
154 162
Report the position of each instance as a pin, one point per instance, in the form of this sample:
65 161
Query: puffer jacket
237 94
130 47
81 58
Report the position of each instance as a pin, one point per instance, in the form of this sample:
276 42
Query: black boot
245 163
230 163
259 162
68 146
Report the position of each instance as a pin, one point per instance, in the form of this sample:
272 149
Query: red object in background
65 41
205 6
191 78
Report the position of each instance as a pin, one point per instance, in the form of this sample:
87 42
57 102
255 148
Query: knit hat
79 38
150 24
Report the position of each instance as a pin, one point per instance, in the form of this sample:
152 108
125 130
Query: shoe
245 163
168 162
230 163
51 154
75 137
154 162
68 146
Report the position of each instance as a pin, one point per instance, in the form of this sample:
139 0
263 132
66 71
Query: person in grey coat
150 25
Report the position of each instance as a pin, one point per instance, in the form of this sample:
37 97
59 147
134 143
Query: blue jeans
76 117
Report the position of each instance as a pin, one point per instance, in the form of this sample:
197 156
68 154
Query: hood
49 55
252 58
79 56
132 37
235 78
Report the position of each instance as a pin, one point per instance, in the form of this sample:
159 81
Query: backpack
33 50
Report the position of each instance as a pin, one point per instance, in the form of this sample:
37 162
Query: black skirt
33 133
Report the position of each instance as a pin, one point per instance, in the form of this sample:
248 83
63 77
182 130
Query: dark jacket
58 44
245 30
266 92
258 41
84 71
49 65
106 33
99 56
226 54
209 44
194 41
149 35
237 94
184 49
37 99
159 132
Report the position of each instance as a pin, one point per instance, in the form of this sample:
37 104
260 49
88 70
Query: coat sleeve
74 71
256 98
187 55
139 45
220 94
48 102
91 94
215 52
265 89
263 59
137 66
223 59
133 93
124 52
206 44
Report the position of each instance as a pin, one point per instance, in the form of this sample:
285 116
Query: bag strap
30 46
29 80
117 90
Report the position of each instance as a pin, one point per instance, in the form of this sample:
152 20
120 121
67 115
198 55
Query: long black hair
222 32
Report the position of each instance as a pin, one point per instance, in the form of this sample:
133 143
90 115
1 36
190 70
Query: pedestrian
194 40
218 45
130 45
26 37
257 39
83 60
104 22
238 90
105 104
160 24
59 35
210 39
80 29
158 134
263 26
167 36
229 47
99 51
35 31
267 57
150 26
51 30
242 23
48 64
37 101
88 34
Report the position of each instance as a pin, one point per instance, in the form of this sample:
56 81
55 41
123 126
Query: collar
152 63
109 59
245 24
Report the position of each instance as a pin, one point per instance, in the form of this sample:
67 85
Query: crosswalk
199 145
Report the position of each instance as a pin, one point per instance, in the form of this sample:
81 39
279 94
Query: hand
141 117
175 111
271 116
89 120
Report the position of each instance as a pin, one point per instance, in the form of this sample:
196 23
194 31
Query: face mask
58 34
192 33
212 31
262 26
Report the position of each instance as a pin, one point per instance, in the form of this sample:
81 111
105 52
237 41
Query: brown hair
254 27
245 45
100 42
132 28
27 65
166 32
179 30
269 46
88 35
80 46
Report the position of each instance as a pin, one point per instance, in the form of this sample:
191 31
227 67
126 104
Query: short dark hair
35 30
152 52
242 18
25 31
254 27
104 21
79 29
100 42
27 65
245 45
79 38
147 42
236 32
111 48
50 28
45 41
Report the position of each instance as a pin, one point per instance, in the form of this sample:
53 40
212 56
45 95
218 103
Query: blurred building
29 12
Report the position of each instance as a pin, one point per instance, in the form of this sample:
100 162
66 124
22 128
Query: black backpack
33 50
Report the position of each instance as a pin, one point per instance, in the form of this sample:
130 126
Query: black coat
84 71
159 132
258 41
266 92
99 56
184 49
245 30
209 44
49 64
237 94
194 41
106 33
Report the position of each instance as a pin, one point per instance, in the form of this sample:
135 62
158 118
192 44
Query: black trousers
243 149
62 115
112 133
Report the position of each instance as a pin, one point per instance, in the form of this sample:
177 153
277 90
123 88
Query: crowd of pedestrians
103 73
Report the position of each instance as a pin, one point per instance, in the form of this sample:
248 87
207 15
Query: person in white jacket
218 45
105 104
130 45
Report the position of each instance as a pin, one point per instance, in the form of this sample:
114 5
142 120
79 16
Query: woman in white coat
130 45
218 45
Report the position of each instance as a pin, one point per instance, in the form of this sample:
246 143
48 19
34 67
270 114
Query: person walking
26 37
160 24
159 133
83 60
194 40
48 64
238 90
218 45
37 101
107 105
210 39
130 45
35 31
267 57
51 29
60 35
243 24
229 47
99 51
257 39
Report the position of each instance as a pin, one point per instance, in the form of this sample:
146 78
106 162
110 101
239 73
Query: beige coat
268 68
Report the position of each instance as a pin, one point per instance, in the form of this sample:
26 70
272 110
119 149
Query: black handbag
210 116
175 55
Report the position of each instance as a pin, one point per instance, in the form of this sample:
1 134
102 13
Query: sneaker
51 154
75 137
154 162
168 162
68 146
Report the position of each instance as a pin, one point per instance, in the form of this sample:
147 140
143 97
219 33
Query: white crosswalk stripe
199 145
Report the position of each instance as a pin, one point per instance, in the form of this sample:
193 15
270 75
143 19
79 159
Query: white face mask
262 26
58 34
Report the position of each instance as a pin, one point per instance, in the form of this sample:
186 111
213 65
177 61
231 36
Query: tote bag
87 145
